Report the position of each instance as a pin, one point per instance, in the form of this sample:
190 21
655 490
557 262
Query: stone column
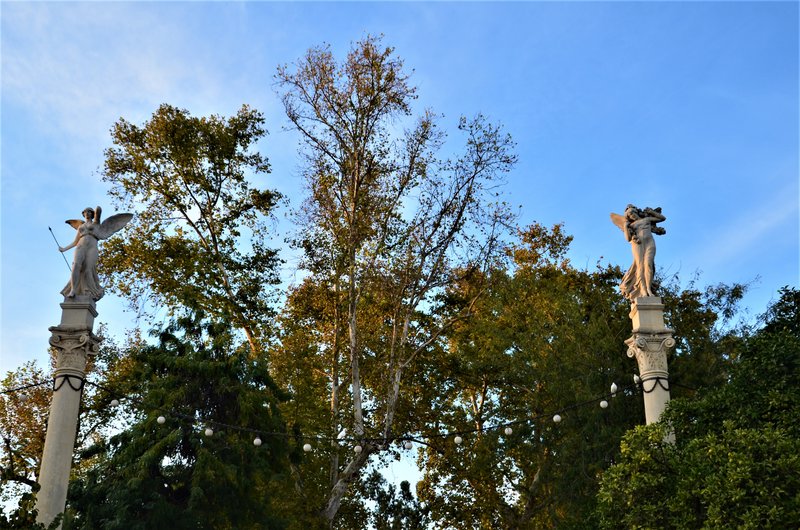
649 344
74 343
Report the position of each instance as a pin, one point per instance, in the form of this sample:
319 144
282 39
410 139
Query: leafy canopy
154 475
736 461
387 224
199 235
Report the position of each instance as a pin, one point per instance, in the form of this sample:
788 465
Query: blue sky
688 106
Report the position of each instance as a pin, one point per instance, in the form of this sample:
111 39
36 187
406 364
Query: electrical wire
210 422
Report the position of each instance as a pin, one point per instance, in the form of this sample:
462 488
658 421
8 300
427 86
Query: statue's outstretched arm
77 238
655 214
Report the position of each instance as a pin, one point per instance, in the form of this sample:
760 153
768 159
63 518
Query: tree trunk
345 478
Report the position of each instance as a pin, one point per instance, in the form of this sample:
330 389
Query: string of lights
24 387
406 439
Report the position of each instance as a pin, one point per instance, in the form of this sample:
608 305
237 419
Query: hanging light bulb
458 440
508 431
613 390
557 418
114 403
307 448
257 441
637 379
604 404
209 431
408 444
357 449
161 420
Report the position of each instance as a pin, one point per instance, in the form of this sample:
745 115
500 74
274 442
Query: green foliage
199 233
734 478
736 461
783 314
762 387
545 335
23 517
707 339
156 476
395 509
23 419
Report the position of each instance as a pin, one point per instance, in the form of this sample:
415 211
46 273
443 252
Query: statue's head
88 213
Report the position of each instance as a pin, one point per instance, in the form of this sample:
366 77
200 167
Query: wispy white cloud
752 229
54 68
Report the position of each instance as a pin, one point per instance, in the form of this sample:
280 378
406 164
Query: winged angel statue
84 279
639 226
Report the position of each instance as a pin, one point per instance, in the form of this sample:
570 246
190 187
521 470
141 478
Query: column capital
650 351
74 344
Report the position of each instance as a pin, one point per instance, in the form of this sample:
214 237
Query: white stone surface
83 280
639 225
649 345
74 343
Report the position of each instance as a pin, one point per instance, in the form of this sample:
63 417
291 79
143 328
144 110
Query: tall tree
199 235
545 336
164 471
387 224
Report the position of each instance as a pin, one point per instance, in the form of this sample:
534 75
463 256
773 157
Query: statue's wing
618 220
74 223
113 224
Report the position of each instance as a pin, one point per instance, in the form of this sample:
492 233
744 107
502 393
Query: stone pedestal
649 344
74 343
